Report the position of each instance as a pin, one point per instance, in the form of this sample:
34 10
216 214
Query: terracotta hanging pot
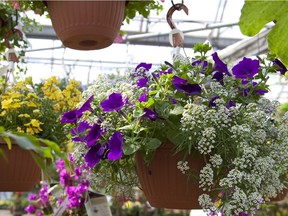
20 172
86 25
281 196
164 185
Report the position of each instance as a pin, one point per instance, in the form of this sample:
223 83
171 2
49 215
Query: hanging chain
177 8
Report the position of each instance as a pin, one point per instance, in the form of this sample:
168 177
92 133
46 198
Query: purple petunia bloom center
113 103
246 68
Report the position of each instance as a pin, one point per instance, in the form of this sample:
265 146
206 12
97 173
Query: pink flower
32 197
119 39
30 209
15 5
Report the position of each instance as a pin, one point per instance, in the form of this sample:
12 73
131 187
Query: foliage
204 108
141 7
256 14
36 108
10 19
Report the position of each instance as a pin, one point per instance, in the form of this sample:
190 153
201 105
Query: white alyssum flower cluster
183 166
246 148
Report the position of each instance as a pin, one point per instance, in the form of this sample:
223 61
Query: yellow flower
11 104
15 95
6 104
25 115
30 131
32 104
35 123
3 113
53 79
31 95
36 111
218 203
20 130
128 204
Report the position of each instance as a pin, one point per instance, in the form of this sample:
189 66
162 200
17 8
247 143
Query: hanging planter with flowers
29 114
202 107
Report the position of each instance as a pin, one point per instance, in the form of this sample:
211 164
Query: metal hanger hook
178 7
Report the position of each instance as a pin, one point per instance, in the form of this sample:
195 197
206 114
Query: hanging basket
86 25
281 196
164 185
20 173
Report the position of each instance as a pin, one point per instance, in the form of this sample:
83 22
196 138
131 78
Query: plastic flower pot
281 196
20 172
164 185
86 25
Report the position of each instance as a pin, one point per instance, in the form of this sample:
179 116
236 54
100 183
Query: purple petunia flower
93 135
143 97
178 80
79 132
30 209
219 65
69 117
73 115
183 85
169 71
211 102
143 65
246 68
142 82
192 89
173 101
261 91
153 116
199 62
114 102
95 154
230 104
280 66
243 214
218 76
85 107
115 145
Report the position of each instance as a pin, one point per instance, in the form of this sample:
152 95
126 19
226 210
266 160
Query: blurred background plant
14 21
36 108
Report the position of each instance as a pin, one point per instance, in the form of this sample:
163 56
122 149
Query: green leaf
47 153
8 141
149 103
55 147
26 142
126 127
2 154
153 143
2 129
39 160
178 110
256 14
175 137
130 148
